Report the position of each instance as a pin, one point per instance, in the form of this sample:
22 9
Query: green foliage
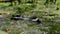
2 32
54 29
48 17
24 8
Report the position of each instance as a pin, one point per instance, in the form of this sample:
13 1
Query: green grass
28 27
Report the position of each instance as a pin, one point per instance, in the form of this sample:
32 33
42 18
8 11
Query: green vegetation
47 13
